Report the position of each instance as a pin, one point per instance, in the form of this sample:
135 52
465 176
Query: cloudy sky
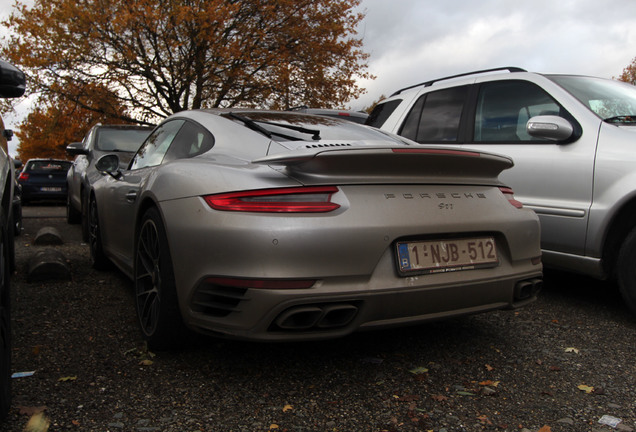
411 41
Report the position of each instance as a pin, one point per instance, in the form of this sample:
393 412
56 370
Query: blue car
44 179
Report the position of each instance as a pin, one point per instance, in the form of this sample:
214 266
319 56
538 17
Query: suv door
553 179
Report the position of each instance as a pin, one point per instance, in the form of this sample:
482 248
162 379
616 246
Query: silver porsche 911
284 226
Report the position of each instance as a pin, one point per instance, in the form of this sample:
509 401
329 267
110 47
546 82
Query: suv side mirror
550 127
109 164
12 81
76 148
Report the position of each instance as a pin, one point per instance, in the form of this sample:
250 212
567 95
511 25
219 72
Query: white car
573 142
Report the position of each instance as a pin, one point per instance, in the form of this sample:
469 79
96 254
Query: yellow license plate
440 256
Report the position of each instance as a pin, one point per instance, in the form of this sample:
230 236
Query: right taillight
510 196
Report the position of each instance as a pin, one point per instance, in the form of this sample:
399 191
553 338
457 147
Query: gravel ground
564 363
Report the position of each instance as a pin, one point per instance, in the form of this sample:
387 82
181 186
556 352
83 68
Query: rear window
298 127
47 166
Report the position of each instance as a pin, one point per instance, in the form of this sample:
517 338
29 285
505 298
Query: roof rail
429 83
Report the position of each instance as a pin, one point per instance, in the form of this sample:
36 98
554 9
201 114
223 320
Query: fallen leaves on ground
67 378
37 423
586 388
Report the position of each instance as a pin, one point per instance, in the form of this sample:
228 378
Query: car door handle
131 196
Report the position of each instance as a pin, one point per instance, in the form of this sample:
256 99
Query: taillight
437 151
282 200
23 176
261 283
510 196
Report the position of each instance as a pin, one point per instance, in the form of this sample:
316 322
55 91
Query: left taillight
23 176
510 196
316 199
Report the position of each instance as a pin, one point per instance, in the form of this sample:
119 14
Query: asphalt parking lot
564 363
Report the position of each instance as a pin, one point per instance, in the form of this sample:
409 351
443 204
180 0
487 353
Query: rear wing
390 165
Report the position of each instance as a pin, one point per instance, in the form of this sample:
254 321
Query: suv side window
435 117
504 107
156 145
381 112
192 140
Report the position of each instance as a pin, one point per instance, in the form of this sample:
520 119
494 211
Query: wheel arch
620 226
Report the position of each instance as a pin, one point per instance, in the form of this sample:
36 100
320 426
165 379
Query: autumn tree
161 57
629 73
55 123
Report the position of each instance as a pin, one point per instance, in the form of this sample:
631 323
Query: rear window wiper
251 124
621 119
314 132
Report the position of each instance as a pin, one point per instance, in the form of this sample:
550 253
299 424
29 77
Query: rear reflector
510 195
261 283
284 200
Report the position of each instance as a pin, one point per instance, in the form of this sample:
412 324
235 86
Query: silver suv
573 140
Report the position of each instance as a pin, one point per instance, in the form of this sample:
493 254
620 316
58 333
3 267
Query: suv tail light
23 176
510 195
281 200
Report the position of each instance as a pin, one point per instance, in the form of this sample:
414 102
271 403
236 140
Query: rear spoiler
390 165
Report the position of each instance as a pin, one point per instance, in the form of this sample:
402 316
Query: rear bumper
35 192
318 313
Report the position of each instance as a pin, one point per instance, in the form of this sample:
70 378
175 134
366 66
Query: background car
286 226
44 179
353 116
100 140
12 84
572 140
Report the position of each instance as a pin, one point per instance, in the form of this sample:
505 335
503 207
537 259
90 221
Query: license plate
51 189
440 256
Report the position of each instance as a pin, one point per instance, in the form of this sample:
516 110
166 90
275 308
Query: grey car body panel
350 251
576 188
82 173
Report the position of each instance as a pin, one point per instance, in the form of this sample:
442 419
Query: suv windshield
613 101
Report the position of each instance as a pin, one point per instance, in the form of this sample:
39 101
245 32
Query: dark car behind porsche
44 179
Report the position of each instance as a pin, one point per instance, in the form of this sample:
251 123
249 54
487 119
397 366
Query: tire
73 216
98 258
626 270
17 218
5 320
156 299
84 217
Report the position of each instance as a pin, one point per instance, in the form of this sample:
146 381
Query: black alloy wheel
72 215
155 289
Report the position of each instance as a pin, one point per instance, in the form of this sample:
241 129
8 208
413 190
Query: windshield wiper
251 124
621 119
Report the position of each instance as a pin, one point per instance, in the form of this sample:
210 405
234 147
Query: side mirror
17 163
12 81
76 148
553 128
109 164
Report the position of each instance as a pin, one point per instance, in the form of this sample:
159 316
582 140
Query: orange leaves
157 58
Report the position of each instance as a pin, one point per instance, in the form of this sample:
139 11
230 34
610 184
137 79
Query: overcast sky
410 41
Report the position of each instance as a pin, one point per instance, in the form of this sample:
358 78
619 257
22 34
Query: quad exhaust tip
316 317
527 289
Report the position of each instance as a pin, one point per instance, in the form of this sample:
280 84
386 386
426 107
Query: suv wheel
626 270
